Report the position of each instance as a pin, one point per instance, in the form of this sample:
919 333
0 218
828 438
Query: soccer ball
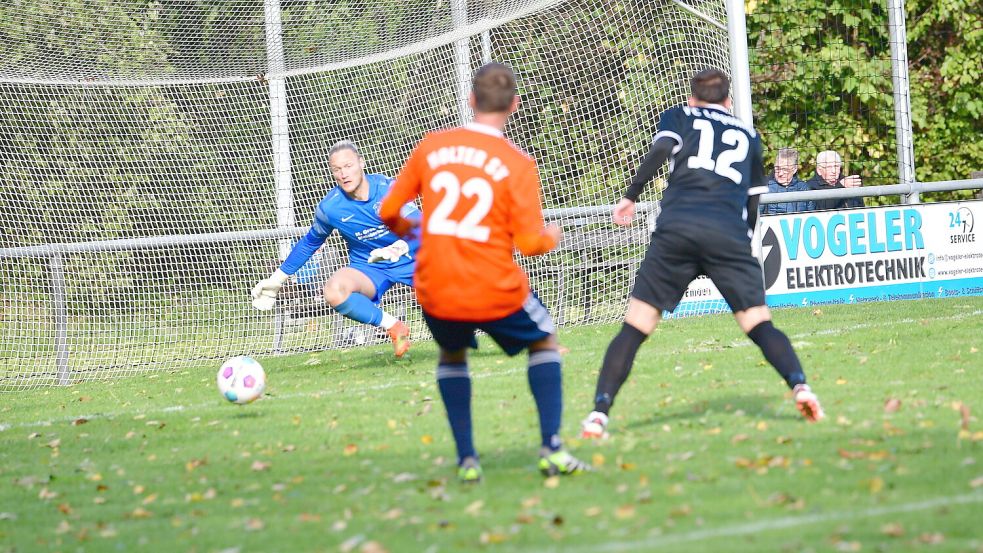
241 379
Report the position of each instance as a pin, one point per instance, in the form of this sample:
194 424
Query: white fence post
902 103
462 60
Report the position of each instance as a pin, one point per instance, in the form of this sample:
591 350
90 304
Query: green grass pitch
350 450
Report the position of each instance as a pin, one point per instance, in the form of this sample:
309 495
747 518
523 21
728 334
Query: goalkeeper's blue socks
361 309
546 383
617 366
454 383
777 349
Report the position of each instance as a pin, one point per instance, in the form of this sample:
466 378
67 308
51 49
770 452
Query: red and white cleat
807 403
594 426
400 336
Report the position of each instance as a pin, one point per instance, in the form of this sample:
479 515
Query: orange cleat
399 333
594 427
807 403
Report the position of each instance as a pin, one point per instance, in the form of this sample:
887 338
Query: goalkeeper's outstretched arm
265 291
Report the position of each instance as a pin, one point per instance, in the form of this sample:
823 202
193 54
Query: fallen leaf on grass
847 454
552 482
259 466
976 482
46 494
624 512
738 438
683 510
893 529
597 460
309 517
875 484
254 524
933 538
65 508
487 538
373 547
79 421
426 439
140 512
592 511
892 405
963 414
474 508
350 449
393 514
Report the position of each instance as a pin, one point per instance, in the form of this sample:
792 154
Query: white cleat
594 426
807 403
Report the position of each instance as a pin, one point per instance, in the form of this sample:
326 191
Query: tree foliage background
84 163
821 73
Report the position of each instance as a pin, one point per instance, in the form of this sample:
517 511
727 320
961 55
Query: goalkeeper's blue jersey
358 223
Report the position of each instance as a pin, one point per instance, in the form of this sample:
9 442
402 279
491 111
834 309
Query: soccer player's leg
640 321
355 293
737 274
660 283
454 384
531 328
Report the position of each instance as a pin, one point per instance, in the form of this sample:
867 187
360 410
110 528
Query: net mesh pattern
140 143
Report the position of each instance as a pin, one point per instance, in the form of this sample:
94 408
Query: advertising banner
875 254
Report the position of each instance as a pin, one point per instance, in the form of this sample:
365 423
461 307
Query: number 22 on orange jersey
469 227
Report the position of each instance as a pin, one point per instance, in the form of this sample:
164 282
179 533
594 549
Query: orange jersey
481 198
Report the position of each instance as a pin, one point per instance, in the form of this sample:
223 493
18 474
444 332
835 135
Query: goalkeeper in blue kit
378 259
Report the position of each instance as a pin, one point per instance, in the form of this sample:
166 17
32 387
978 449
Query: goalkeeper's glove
264 293
392 252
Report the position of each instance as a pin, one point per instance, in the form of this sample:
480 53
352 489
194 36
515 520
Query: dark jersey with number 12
715 162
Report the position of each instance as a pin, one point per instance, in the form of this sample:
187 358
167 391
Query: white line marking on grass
647 544
845 330
388 385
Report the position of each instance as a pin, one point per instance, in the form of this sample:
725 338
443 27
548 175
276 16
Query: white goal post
159 157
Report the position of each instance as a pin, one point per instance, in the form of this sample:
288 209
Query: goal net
160 157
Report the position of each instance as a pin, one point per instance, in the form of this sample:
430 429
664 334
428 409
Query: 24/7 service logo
961 223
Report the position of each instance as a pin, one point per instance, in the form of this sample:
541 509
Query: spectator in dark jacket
785 178
829 176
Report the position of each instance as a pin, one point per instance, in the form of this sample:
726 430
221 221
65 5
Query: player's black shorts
679 254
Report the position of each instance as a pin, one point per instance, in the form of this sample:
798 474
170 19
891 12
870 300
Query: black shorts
678 255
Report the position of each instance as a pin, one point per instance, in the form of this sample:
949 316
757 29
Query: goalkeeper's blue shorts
384 279
513 333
